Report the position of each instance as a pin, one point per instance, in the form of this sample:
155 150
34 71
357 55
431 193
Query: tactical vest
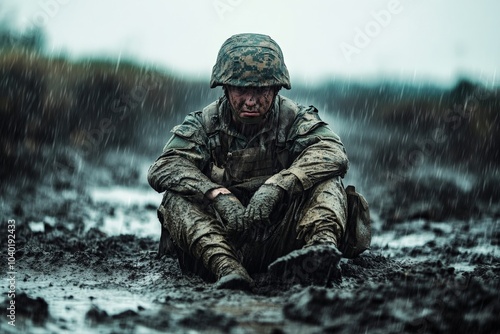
265 158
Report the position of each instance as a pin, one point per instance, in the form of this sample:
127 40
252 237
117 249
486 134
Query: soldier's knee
326 209
333 184
330 193
170 198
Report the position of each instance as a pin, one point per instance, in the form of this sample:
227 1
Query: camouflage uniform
293 150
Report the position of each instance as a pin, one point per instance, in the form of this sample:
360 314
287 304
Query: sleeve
184 157
317 154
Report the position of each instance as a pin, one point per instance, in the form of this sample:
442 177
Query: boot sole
234 282
317 264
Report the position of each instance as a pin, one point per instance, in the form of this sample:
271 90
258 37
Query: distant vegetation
48 104
457 125
89 106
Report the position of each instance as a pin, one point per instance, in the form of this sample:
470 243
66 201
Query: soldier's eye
248 90
262 90
238 90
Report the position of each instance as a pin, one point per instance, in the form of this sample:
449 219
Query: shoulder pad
184 131
308 120
288 106
190 129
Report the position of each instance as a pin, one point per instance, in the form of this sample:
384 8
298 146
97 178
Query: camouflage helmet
250 60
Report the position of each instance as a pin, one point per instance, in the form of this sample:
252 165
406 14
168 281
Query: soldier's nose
250 101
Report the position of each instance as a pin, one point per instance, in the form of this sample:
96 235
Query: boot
230 274
317 262
324 236
219 257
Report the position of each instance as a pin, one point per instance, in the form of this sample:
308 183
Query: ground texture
427 271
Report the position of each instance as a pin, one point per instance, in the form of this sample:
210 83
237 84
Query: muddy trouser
307 219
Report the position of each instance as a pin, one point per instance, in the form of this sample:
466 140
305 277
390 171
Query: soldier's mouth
249 114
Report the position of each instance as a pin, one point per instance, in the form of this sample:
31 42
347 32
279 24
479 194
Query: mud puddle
130 211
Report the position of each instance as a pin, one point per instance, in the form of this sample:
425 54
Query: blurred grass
88 106
94 105
457 125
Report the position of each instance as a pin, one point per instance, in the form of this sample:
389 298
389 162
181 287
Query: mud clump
438 199
97 316
203 319
400 306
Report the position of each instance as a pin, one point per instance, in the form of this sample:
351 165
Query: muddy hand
262 204
231 211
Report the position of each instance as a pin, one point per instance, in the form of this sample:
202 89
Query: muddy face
250 104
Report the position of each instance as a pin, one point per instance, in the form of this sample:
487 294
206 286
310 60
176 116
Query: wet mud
431 269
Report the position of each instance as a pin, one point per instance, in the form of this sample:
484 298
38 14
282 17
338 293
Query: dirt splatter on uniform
296 150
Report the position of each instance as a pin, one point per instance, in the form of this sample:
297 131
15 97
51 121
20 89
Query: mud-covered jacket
295 149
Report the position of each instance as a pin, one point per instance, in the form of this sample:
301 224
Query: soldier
253 181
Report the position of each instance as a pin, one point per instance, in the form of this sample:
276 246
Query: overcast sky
425 40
